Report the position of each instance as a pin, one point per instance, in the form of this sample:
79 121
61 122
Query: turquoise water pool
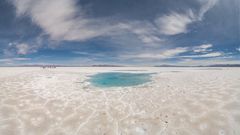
118 79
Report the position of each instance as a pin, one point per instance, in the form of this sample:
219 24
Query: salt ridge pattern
60 101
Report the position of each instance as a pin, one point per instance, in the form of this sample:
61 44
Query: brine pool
119 79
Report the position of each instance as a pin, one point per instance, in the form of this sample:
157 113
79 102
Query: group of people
49 66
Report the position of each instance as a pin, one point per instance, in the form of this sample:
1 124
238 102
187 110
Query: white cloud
23 49
61 19
145 31
177 23
206 5
5 60
21 59
208 55
202 48
14 49
238 49
174 52
174 23
150 39
14 59
205 46
161 55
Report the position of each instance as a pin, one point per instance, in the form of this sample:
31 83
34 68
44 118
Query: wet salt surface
50 102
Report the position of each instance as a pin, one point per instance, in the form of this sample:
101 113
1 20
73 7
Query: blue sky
129 32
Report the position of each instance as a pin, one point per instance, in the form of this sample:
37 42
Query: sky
119 32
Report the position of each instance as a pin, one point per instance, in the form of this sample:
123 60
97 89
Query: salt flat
178 101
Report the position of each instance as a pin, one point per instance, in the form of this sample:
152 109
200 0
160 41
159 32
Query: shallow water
118 79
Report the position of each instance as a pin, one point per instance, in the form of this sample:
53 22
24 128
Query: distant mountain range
215 65
46 65
105 65
225 65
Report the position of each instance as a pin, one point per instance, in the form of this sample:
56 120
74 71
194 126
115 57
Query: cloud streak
208 55
202 48
206 5
14 59
167 54
238 49
177 23
174 23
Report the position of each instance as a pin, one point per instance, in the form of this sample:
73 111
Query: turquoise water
117 79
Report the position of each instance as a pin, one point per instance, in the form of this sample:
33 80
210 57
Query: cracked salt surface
52 102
